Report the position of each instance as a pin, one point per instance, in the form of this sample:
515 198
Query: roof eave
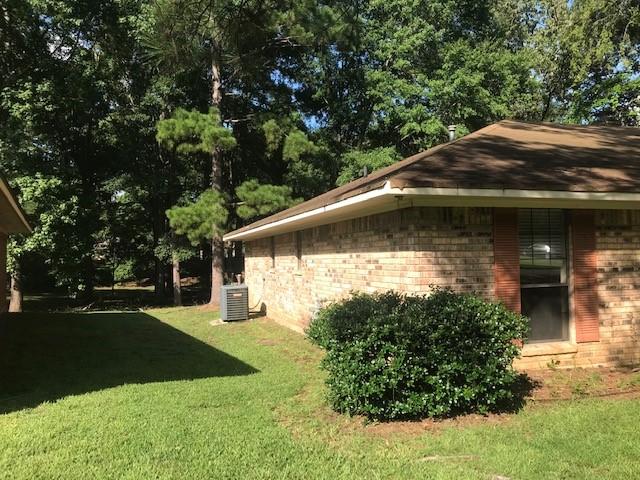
390 198
22 225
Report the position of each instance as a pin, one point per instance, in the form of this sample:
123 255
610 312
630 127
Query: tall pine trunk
17 294
177 289
158 223
217 247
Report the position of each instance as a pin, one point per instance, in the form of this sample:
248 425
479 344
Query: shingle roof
506 155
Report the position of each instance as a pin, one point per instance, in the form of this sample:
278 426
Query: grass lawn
163 394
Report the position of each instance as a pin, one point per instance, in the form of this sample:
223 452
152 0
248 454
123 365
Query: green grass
163 394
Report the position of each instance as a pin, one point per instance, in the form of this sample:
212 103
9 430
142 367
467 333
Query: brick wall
405 250
410 249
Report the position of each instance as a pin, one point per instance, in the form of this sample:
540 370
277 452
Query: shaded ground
164 394
45 357
129 297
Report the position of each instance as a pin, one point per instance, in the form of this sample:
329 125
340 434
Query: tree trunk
159 219
15 304
89 207
177 291
217 247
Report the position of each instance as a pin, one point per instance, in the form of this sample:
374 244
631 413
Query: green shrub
391 356
124 271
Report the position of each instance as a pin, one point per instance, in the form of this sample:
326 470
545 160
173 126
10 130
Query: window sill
548 348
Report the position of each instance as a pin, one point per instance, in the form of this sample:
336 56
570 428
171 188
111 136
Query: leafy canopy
201 219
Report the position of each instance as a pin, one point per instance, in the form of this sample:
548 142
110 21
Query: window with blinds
543 273
543 246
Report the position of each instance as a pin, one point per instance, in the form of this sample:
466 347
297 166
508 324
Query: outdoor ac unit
234 303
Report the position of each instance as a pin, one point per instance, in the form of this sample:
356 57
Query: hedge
393 356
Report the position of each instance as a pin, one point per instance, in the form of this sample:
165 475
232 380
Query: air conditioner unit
234 303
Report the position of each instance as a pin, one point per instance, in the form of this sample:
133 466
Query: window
543 273
299 248
273 252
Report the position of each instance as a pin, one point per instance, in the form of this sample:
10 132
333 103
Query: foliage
193 132
258 200
579 44
200 219
307 164
353 162
124 271
54 214
173 247
612 99
391 356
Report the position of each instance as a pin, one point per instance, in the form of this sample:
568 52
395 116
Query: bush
391 356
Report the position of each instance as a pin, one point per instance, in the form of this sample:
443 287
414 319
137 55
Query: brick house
12 220
544 218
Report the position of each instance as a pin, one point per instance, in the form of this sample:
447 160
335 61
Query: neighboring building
545 218
12 220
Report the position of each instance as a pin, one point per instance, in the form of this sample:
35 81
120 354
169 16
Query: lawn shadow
44 357
522 389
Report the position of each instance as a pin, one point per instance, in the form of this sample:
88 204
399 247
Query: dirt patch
416 427
555 384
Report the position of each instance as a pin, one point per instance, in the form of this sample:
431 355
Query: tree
102 132
354 162
174 249
190 133
242 46
203 31
580 46
55 218
199 219
70 94
259 200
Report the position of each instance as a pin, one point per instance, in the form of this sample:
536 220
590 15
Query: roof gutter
389 198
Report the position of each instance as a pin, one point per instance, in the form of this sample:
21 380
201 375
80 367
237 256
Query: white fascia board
354 204
387 198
